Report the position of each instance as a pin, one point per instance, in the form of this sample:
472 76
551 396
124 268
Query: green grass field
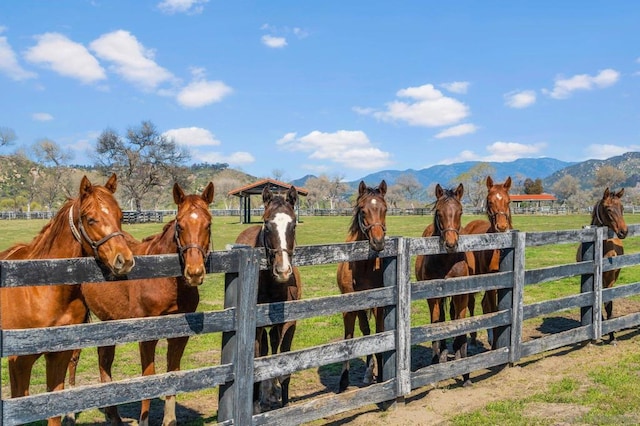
317 281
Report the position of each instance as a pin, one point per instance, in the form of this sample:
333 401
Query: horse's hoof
467 383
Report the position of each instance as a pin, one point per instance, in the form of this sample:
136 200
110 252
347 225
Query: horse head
279 231
609 212
498 201
370 215
193 232
98 228
447 216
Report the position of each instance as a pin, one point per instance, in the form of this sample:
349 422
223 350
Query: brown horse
447 226
608 212
488 261
88 225
368 223
280 282
188 235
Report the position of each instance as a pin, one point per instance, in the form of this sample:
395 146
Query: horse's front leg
148 363
438 347
461 304
175 351
56 365
106 355
287 330
349 320
20 368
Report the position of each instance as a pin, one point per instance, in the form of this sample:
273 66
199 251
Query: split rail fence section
237 370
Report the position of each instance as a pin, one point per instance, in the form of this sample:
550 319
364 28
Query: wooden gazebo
256 188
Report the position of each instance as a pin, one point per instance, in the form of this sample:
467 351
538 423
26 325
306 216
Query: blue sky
341 88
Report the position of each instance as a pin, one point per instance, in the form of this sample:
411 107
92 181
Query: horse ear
267 195
85 186
460 191
606 193
208 192
178 194
507 183
489 182
112 183
620 193
292 196
362 187
439 191
383 187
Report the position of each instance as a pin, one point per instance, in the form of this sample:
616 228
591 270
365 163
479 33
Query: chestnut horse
188 235
280 282
447 226
487 261
88 225
368 223
608 212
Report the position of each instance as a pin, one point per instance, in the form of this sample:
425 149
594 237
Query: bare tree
474 182
565 187
223 186
53 180
7 136
608 176
143 161
409 186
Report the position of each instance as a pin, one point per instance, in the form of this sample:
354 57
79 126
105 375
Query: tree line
40 177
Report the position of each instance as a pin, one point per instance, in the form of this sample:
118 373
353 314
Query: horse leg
57 364
20 368
105 361
379 314
438 348
490 305
461 304
472 309
258 345
609 278
148 361
286 339
349 320
363 322
70 418
175 350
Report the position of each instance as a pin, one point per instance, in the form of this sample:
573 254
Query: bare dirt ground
438 403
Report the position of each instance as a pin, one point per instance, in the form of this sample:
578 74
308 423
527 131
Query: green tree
145 160
533 186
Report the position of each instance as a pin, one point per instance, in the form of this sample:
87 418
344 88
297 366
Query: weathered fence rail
237 369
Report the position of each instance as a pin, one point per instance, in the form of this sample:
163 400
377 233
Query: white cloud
457 86
274 42
429 108
500 152
520 99
41 116
192 136
191 7
201 92
65 57
459 130
563 88
9 62
602 152
351 149
130 59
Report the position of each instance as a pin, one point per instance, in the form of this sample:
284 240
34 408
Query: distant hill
533 168
585 171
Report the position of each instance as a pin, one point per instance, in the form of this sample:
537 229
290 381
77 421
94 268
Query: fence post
517 307
235 399
505 299
592 282
387 370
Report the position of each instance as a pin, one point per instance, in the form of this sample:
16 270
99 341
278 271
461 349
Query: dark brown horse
368 223
280 282
447 226
608 211
188 235
88 225
487 261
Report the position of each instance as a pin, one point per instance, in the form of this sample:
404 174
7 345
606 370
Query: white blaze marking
104 210
282 220
374 201
499 196
194 215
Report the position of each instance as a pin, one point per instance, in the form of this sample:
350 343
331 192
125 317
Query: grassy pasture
317 281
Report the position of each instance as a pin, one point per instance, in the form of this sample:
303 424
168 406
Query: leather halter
366 228
83 234
271 252
182 249
438 225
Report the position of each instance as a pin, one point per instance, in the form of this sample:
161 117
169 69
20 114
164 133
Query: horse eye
91 221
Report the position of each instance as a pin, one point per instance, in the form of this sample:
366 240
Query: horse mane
49 235
354 228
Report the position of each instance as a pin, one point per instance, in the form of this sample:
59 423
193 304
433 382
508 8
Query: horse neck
56 240
596 217
162 243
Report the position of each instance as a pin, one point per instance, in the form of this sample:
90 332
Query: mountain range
549 170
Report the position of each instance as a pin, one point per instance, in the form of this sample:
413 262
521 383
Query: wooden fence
237 370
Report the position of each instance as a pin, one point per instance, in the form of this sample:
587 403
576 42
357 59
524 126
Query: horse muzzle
122 265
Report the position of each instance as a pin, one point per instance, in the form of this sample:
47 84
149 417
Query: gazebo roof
257 187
